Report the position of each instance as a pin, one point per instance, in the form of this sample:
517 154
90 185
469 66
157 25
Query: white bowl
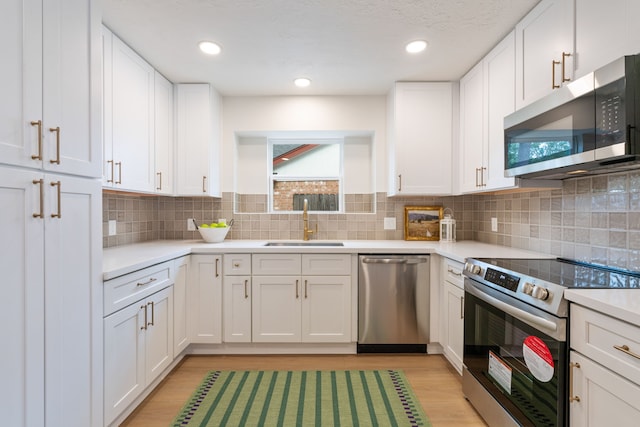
214 235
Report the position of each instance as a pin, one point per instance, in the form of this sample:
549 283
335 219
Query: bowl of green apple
214 232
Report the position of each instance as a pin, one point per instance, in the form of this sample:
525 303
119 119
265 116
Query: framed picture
422 222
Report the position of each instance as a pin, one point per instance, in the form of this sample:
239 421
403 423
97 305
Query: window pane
306 160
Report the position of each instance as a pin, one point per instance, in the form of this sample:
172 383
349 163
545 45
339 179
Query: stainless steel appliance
515 335
393 303
589 126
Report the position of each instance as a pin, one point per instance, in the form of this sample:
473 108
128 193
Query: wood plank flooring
436 384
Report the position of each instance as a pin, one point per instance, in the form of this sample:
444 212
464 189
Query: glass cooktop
569 273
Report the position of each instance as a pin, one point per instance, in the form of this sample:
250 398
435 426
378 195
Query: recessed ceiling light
416 46
210 48
302 82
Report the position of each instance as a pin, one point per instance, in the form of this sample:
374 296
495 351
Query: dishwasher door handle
394 260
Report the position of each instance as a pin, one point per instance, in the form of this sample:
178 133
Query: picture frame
422 222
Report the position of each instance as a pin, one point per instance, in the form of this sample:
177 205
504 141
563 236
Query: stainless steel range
515 335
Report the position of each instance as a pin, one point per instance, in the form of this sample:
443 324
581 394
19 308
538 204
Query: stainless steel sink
304 244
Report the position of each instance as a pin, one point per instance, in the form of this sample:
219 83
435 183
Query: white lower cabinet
604 377
292 304
138 347
452 312
180 276
605 397
204 296
50 371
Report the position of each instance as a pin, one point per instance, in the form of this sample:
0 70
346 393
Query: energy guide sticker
500 372
538 358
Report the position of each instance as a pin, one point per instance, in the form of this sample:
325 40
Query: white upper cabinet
472 126
198 135
605 31
50 85
486 97
544 50
163 119
419 138
129 119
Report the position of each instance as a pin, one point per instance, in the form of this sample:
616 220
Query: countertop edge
622 304
121 260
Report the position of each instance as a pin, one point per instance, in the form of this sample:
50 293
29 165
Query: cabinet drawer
603 339
452 272
127 289
326 264
236 264
280 264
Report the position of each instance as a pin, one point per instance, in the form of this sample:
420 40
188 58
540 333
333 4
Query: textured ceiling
346 47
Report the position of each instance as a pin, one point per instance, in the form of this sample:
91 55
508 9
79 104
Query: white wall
260 115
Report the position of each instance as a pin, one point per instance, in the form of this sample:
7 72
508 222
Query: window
306 169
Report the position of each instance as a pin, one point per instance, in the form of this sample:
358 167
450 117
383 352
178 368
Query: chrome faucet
305 221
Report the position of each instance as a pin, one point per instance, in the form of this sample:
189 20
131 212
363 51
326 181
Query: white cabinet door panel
237 308
159 333
276 309
326 309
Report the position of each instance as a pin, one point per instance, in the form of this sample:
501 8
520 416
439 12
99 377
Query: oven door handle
513 311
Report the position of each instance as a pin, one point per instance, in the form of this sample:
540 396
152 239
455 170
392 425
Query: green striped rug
303 398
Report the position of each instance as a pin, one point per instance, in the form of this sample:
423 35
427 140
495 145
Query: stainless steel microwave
586 127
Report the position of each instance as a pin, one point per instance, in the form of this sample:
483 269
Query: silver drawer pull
455 273
625 349
153 279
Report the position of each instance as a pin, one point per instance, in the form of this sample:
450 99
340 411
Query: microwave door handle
513 311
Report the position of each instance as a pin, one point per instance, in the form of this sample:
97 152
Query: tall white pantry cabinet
50 221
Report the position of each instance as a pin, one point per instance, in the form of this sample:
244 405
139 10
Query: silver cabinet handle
153 279
159 187
553 74
454 272
246 293
305 289
217 264
297 292
144 326
153 313
119 181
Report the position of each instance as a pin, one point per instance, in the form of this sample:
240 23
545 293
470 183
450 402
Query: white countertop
125 259
623 304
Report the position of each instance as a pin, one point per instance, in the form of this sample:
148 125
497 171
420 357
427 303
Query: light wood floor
436 384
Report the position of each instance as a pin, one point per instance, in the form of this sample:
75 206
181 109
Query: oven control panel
502 279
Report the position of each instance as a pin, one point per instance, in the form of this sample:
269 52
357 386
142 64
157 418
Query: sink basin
304 244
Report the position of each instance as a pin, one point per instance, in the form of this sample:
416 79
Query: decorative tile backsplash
595 219
142 218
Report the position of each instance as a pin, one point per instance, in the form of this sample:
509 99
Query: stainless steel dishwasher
393 303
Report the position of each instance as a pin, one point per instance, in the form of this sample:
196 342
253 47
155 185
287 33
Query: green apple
204 226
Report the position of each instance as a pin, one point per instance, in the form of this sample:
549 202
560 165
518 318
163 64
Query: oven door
515 355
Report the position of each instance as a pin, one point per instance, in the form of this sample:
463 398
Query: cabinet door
236 293
71 87
159 333
197 136
276 309
22 302
180 331
596 43
454 324
50 74
20 81
605 398
422 139
326 308
124 371
132 119
73 281
499 75
163 119
204 316
108 167
472 119
542 37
